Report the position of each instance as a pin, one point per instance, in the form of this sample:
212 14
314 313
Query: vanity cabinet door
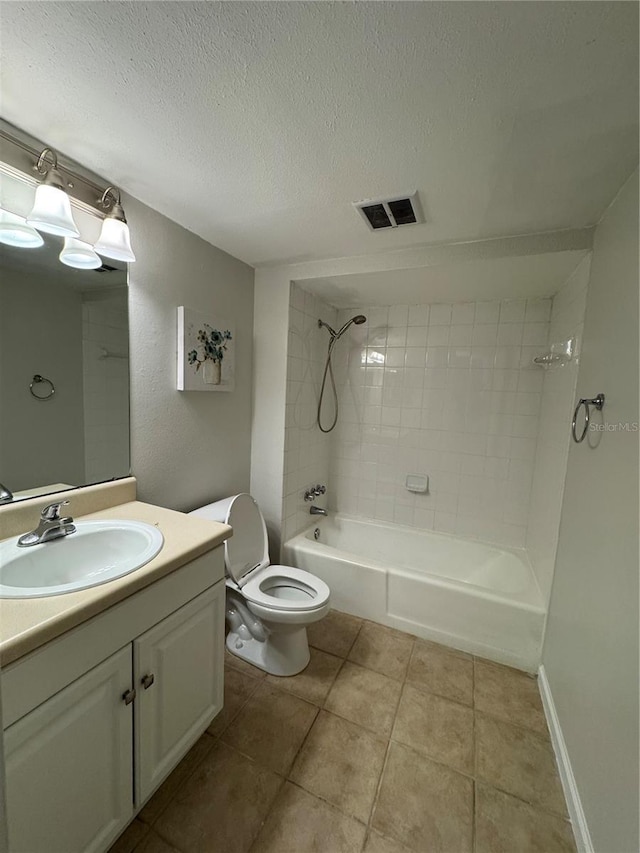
178 667
68 765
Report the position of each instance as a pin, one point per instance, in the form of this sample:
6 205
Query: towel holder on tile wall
597 402
37 379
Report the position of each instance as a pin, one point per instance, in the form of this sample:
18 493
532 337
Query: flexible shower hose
328 368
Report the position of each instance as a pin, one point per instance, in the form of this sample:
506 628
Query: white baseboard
571 793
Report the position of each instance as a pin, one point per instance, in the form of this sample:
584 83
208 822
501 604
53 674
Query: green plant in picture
213 345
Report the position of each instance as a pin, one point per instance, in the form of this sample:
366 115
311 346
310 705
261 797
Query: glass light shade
52 212
78 254
114 241
14 231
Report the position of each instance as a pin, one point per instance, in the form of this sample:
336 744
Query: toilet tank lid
216 511
248 548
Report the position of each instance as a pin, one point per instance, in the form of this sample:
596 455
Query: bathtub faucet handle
314 491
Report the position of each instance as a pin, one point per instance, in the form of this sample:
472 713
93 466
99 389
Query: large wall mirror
64 372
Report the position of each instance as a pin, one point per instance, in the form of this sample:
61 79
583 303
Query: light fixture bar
19 151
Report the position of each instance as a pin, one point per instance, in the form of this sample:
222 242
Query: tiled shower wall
448 391
306 455
558 400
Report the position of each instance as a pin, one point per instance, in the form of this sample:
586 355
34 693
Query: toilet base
280 654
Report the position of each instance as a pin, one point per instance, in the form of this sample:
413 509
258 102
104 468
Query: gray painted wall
187 448
591 646
40 332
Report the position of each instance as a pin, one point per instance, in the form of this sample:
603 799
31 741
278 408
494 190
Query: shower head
359 319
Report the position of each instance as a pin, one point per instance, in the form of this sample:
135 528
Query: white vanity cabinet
177 665
68 765
88 714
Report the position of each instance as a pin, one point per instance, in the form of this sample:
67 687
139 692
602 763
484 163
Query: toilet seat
285 588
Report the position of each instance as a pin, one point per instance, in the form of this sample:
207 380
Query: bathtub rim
303 537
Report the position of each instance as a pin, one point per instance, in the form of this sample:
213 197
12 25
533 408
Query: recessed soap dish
417 483
560 353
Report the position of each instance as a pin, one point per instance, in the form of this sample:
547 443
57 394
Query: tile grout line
542 738
326 801
262 822
529 803
240 708
153 823
386 755
286 777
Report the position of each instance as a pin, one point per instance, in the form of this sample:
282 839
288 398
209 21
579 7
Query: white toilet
268 607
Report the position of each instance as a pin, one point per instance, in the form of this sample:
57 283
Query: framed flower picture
206 352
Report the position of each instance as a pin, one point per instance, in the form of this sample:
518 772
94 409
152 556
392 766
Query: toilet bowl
268 607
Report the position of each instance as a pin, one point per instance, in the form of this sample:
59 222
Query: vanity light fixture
14 231
80 255
114 241
51 208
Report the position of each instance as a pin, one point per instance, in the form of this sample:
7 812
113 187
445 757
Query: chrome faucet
317 510
5 494
51 526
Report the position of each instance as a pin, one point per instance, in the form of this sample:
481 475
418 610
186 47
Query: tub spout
317 510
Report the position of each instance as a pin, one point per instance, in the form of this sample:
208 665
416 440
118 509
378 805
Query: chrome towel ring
597 402
37 379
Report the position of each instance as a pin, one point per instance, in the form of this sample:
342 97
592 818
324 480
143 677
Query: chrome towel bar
597 402
37 379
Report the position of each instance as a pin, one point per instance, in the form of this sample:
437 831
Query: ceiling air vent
105 268
390 212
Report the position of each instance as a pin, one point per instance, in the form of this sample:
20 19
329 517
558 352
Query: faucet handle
52 512
320 490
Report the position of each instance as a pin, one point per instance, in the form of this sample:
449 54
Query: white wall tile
418 315
398 315
484 334
457 411
445 390
438 335
512 310
463 313
460 335
440 315
487 312
539 310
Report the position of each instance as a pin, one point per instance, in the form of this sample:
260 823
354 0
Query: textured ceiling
256 124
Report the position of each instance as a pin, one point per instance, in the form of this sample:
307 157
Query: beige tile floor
384 744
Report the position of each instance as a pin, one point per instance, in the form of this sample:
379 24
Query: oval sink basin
98 552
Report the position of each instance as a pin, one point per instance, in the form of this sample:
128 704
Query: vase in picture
211 372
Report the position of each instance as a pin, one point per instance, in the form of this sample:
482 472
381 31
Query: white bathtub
475 597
